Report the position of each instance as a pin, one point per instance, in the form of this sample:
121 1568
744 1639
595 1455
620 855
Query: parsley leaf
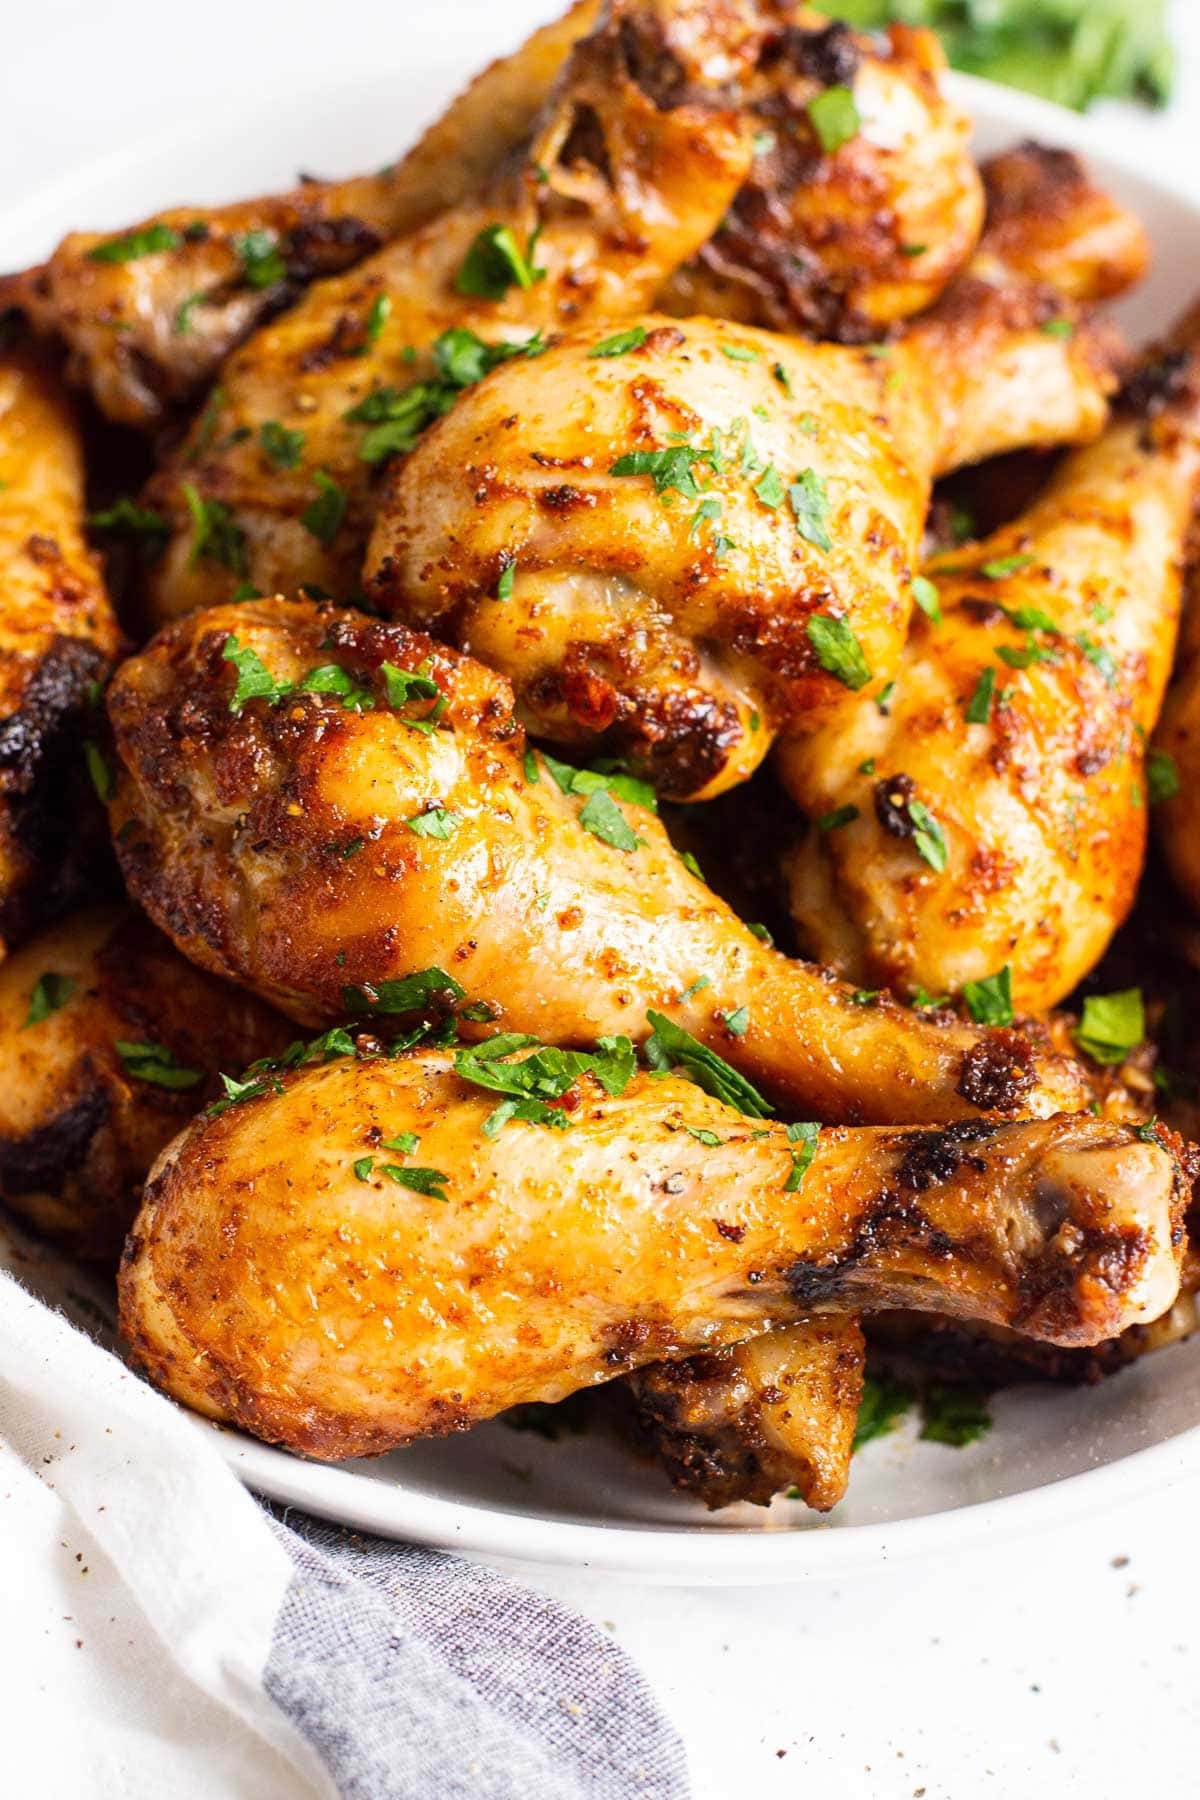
926 596
954 1415
430 1182
670 1047
1112 1025
323 516
98 769
282 448
377 318
216 535
1162 776
495 262
436 823
254 680
258 253
545 1076
769 488
838 650
979 708
807 1136
671 469
156 1064
884 1403
929 839
989 1001
833 821
621 342
810 503
604 819
741 353
834 117
1002 566
150 240
407 994
125 518
50 991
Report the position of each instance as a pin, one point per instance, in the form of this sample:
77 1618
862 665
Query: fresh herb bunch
1072 51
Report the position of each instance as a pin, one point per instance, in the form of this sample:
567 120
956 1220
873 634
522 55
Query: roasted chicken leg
1018 725
356 1262
678 550
58 639
380 819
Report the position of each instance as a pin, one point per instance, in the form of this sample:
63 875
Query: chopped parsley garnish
979 707
867 767
741 353
98 769
430 1182
254 680
50 991
331 678
181 324
698 986
404 685
670 469
323 516
1098 656
621 342
495 262
1162 776
709 508
1027 657
436 823
806 1135
156 1064
769 488
989 1001
691 865
884 698
833 821
926 596
783 378
838 651
1057 328
954 1415
377 318
125 518
1000 567
363 1167
258 253
671 1048
834 117
810 504
150 240
407 994
216 535
282 448
1112 1025
206 425
929 839
237 1093
536 1080
924 1001
398 416
884 1403
604 819
709 1139
763 935
736 1022
508 576
570 780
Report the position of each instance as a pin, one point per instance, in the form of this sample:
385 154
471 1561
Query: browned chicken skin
665 613
1041 795
80 1124
632 162
58 639
308 848
748 1421
150 313
555 1260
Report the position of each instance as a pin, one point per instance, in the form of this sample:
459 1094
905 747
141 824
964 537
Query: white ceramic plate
584 1501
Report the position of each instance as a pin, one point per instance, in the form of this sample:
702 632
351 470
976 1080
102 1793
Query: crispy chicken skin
145 333
58 636
845 241
78 1130
1042 800
641 621
743 1423
276 846
268 1283
1178 817
631 164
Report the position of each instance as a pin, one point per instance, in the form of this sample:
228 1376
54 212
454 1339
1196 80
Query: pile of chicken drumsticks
580 461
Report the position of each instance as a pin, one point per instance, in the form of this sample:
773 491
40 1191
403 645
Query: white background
1059 1666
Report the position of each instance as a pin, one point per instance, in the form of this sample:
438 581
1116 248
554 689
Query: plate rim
659 1554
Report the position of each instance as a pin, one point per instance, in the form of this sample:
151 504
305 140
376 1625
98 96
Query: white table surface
1037 1669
